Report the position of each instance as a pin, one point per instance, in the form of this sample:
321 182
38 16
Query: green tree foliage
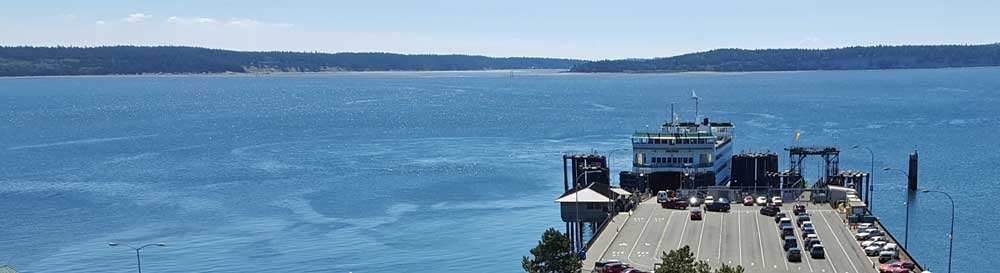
554 254
730 269
47 61
849 58
682 261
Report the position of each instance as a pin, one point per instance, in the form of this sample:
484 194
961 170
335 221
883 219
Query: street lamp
137 261
871 175
610 162
951 234
906 228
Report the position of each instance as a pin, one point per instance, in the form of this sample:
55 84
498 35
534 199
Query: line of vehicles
811 243
876 244
670 200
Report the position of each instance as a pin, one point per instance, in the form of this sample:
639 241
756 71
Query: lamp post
610 162
872 174
138 262
906 228
951 234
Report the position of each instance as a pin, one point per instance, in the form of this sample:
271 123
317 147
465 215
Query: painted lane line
637 238
697 253
683 229
830 227
663 234
760 243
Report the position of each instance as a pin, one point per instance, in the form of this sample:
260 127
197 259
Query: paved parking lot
740 237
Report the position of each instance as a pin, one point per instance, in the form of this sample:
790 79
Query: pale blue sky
573 29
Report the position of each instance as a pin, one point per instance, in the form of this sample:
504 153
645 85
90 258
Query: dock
742 236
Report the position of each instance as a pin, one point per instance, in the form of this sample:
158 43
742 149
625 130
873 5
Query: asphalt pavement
740 237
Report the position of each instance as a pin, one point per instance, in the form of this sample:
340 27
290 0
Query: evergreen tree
554 254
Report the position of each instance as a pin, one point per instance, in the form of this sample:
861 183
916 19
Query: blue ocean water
415 172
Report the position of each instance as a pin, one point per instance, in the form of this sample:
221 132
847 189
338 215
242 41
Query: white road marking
739 230
839 243
636 243
663 234
683 229
697 253
760 243
722 224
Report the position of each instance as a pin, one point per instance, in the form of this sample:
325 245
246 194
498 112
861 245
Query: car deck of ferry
740 237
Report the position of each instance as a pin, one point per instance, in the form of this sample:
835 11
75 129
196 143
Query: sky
582 29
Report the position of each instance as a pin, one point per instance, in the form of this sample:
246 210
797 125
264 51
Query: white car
776 201
862 236
875 232
872 251
762 201
709 200
863 227
890 247
873 240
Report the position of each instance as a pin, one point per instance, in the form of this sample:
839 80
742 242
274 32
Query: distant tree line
108 60
849 58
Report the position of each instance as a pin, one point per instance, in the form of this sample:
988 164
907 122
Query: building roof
621 191
584 195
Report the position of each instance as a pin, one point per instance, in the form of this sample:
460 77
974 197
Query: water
414 172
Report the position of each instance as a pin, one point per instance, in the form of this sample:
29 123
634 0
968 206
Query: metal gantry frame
831 158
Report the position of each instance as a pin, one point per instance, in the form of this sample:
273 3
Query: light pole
906 228
871 176
951 234
610 162
138 262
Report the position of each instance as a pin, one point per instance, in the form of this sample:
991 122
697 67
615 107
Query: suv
787 230
790 242
804 217
886 256
721 205
817 252
778 216
794 254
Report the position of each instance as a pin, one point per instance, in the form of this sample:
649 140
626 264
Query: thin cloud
232 22
136 17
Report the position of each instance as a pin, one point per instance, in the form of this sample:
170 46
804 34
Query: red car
799 209
896 267
695 214
748 200
616 268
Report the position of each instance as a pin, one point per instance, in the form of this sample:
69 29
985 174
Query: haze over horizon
561 29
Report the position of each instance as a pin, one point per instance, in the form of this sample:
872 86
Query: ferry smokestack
913 171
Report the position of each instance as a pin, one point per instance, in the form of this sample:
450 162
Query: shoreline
762 72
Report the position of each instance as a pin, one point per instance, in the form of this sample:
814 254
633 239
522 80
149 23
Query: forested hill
50 61
850 58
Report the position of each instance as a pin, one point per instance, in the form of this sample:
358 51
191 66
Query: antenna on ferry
696 98
673 117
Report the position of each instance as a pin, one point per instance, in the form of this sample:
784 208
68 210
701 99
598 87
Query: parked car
890 247
769 211
872 251
778 216
776 201
886 256
862 236
790 242
787 230
817 251
863 226
810 240
873 240
896 267
875 232
798 209
793 254
784 220
599 265
802 218
808 224
748 200
762 201
695 214
709 200
807 231
616 268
